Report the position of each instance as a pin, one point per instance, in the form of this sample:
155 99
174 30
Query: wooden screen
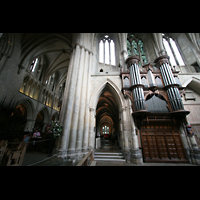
162 144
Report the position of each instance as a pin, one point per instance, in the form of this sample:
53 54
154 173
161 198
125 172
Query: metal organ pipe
133 74
137 73
138 94
164 75
169 81
171 99
167 75
170 73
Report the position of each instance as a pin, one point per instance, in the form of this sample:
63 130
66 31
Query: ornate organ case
155 93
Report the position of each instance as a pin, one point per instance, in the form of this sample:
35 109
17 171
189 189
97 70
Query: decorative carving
131 60
148 67
161 60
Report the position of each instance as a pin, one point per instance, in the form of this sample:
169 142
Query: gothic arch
46 114
112 88
55 113
29 107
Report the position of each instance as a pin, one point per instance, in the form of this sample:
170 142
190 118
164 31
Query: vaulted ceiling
107 109
53 48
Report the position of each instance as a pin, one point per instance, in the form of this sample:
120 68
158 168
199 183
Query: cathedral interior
133 93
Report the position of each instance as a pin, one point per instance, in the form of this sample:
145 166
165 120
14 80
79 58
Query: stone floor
107 146
33 157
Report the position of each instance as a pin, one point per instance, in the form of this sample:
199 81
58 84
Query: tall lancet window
107 51
172 51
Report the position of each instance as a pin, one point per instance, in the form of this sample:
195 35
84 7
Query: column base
134 156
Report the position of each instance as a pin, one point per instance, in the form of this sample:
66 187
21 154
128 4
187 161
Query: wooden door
162 144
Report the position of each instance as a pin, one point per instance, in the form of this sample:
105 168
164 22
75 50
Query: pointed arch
46 114
29 107
110 85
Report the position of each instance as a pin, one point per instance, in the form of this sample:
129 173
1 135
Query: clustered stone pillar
171 87
75 109
136 84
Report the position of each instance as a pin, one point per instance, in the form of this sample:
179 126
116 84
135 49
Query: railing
88 160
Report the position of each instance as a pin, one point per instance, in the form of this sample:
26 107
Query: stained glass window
135 46
129 48
142 52
105 130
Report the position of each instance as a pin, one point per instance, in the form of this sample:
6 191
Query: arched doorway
107 119
121 112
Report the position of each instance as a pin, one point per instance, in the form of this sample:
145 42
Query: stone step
110 159
108 153
108 156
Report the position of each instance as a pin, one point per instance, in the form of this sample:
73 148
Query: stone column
76 106
91 130
82 104
125 128
159 43
135 152
66 91
87 109
71 95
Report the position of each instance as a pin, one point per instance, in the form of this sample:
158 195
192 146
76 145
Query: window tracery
105 129
172 51
107 51
135 46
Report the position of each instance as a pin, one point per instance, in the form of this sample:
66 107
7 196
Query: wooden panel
162 145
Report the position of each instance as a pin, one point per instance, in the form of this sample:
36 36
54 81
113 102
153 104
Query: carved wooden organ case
154 90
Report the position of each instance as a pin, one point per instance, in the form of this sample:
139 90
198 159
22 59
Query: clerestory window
33 65
107 51
172 51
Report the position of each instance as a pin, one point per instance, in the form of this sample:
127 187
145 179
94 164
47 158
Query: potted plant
54 130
